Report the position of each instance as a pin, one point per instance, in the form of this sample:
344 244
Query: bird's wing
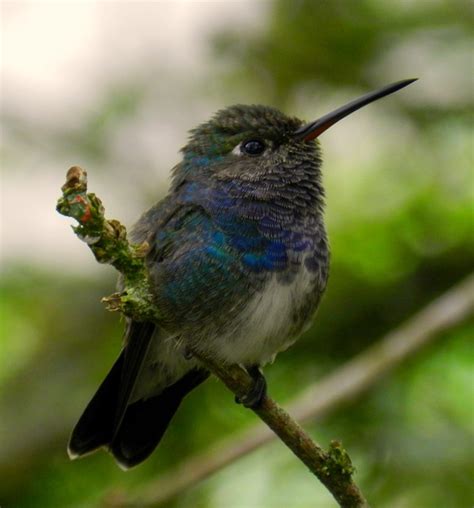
195 267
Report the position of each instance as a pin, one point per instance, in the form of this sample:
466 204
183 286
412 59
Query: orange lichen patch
86 216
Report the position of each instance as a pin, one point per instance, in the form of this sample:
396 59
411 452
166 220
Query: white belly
265 327
267 324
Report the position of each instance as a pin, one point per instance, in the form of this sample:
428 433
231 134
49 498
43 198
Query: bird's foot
254 397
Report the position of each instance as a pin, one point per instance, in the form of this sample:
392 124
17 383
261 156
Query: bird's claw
254 397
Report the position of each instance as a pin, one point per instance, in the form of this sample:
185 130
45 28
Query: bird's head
252 143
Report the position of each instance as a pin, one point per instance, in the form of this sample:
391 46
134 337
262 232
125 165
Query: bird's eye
253 147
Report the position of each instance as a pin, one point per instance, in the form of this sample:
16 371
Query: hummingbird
238 263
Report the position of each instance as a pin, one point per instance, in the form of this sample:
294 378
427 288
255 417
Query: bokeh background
114 87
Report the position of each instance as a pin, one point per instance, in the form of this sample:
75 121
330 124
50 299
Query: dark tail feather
96 425
145 421
102 417
130 431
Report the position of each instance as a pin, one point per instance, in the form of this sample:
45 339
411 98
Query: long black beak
314 129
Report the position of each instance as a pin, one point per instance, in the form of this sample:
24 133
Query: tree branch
324 396
108 241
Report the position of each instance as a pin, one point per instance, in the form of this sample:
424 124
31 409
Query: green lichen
338 462
108 241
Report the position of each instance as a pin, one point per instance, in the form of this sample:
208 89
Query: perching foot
254 397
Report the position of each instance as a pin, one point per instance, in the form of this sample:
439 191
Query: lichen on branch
106 238
108 241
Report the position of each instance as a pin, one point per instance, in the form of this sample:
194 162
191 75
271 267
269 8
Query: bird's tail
130 431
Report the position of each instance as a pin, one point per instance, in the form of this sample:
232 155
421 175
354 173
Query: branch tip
76 178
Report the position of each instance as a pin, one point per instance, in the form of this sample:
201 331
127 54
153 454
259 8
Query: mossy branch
108 241
106 238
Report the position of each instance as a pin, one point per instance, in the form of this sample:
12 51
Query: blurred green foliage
400 226
339 43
